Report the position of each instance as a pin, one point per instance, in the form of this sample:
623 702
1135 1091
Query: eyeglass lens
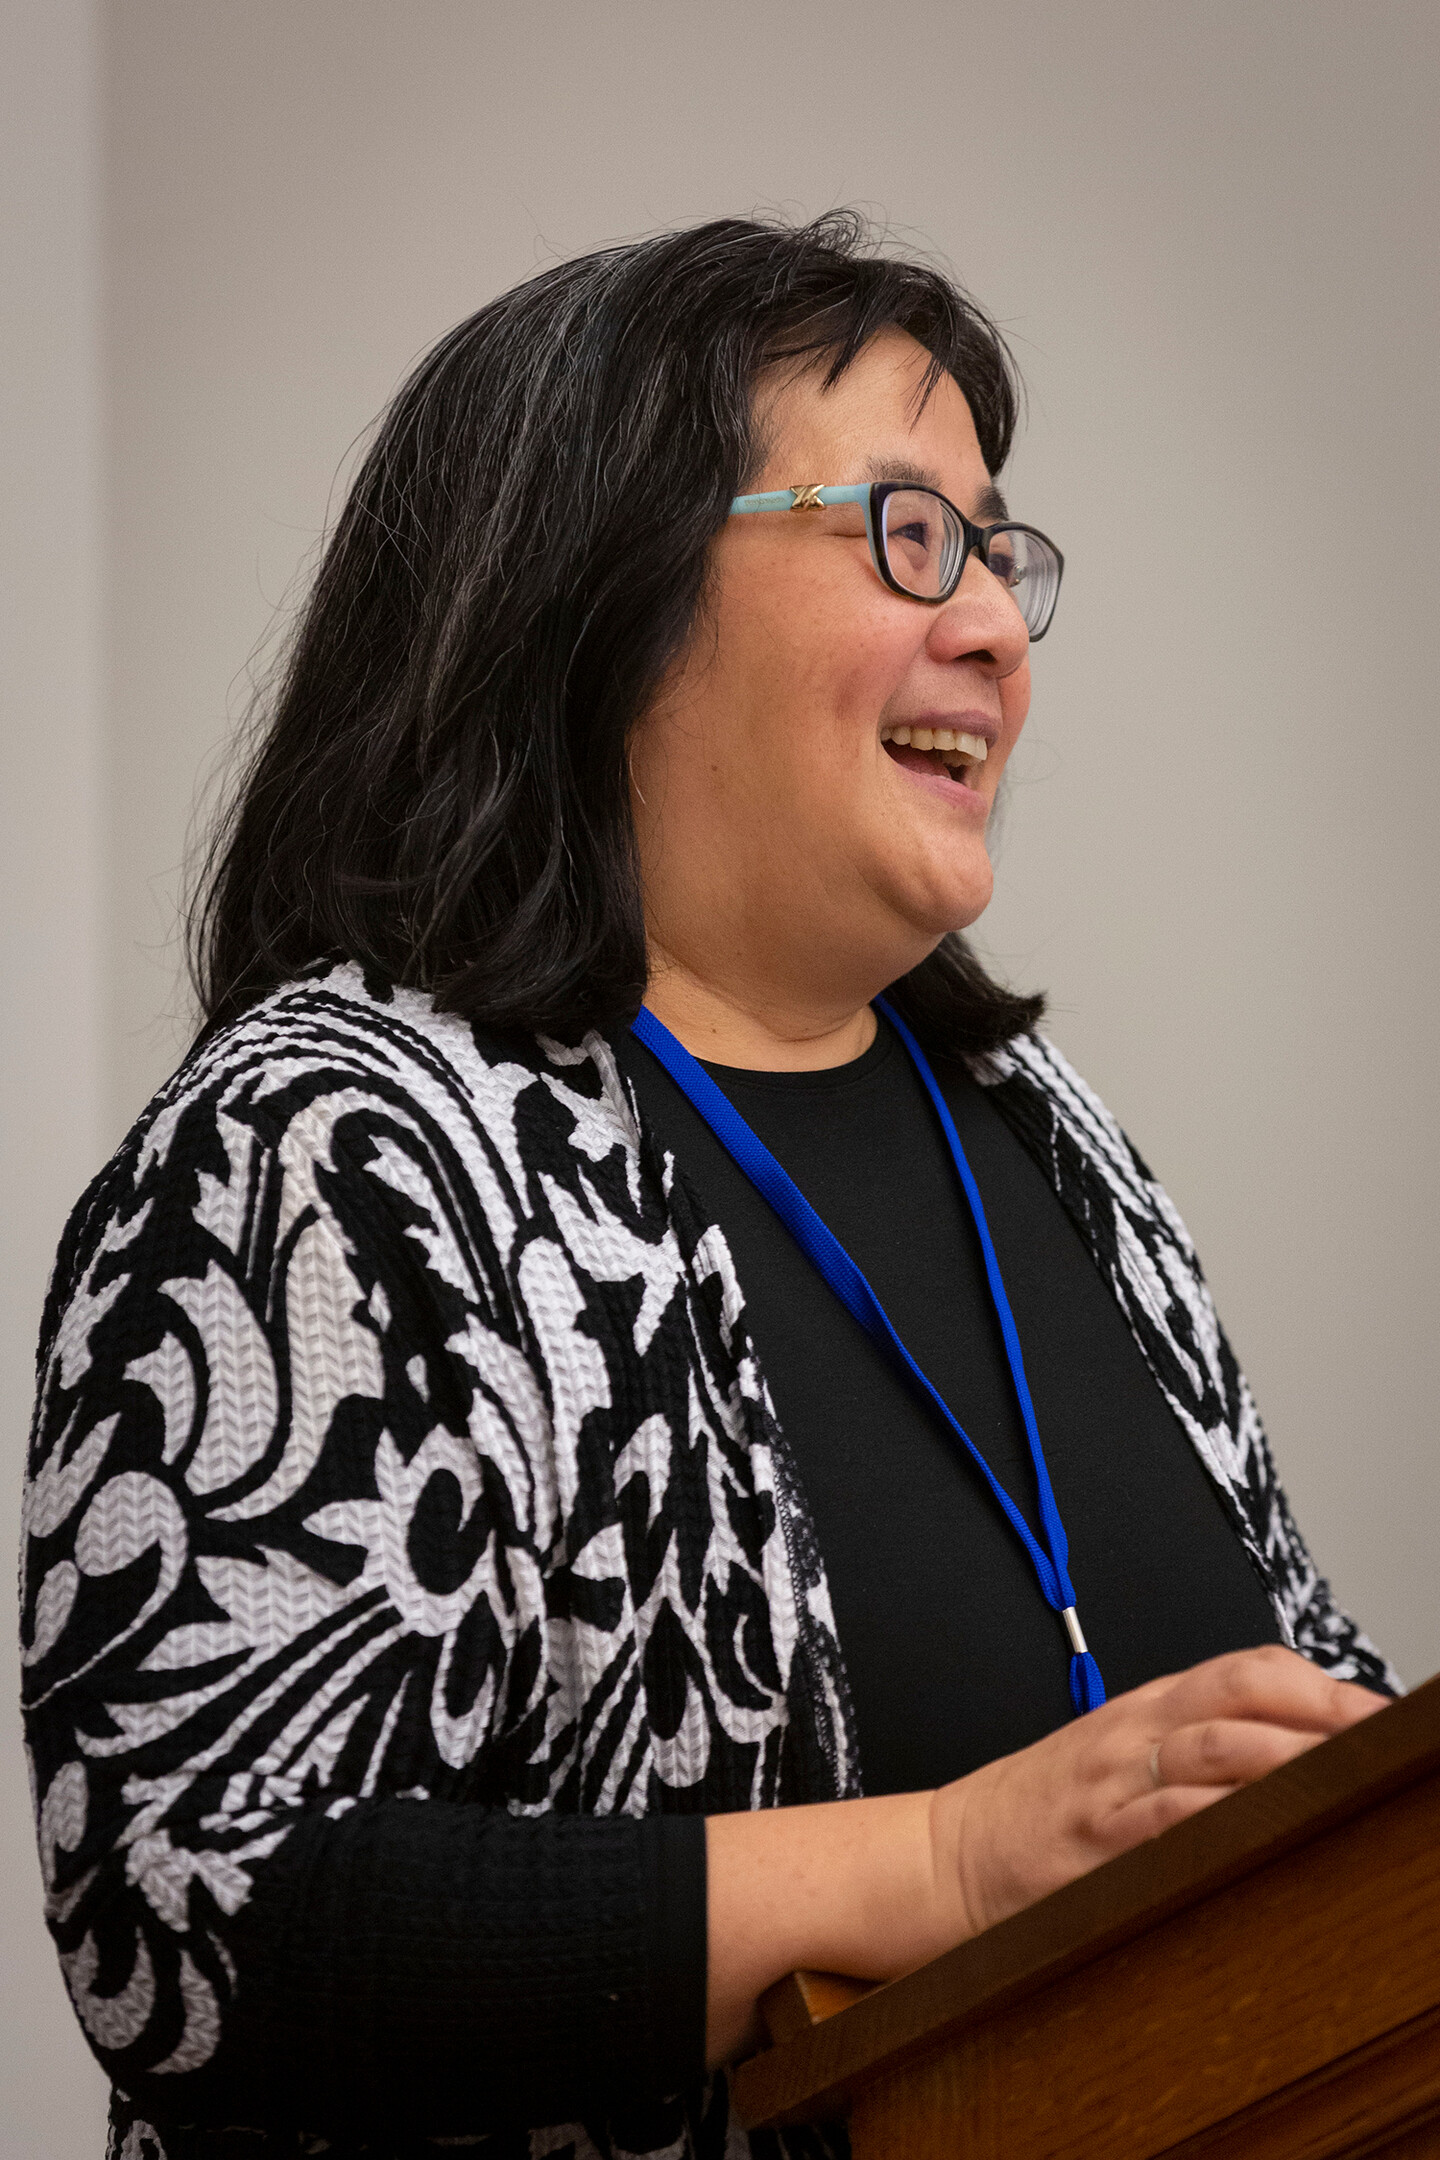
924 542
1029 569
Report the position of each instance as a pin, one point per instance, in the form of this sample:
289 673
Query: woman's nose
980 621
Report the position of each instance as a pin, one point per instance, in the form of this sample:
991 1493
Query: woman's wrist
855 1886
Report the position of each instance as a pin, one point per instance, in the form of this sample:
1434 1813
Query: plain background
1209 227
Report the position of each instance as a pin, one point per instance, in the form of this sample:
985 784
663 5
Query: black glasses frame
976 540
872 496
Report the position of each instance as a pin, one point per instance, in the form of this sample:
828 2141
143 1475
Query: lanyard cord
824 1250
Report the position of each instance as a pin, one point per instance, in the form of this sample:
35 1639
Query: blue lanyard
820 1245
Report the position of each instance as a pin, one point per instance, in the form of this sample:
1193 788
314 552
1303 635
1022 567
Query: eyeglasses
920 543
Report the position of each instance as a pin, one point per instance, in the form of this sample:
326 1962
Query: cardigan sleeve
285 1702
1318 1624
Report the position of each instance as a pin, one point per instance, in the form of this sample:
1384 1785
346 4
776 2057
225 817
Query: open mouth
947 752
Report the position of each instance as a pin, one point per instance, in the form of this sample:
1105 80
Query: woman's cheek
880 673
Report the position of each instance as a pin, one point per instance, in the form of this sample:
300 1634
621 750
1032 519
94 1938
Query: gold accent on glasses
806 498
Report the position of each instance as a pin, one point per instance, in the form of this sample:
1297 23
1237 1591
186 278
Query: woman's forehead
879 420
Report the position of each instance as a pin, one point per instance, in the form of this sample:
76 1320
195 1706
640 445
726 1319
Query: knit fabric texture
410 1541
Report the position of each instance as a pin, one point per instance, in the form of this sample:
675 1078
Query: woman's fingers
1270 1686
1151 1812
1221 1751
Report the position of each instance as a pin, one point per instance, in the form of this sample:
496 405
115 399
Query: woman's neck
751 1029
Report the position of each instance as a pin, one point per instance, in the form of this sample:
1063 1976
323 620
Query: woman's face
786 841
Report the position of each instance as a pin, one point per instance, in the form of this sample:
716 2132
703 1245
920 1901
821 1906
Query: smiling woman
610 1430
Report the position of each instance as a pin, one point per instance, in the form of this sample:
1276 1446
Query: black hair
441 789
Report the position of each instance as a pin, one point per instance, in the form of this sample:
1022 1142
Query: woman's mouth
944 753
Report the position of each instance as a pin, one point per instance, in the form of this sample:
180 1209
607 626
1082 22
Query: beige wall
1209 226
54 1058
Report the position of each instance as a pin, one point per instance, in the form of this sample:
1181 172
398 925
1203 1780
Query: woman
490 1608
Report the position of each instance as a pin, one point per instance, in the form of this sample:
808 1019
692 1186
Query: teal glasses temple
920 543
800 498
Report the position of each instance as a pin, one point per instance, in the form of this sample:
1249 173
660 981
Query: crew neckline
823 1080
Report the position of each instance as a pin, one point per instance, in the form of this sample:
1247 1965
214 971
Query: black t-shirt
953 1655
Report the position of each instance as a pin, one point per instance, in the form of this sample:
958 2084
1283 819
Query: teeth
955 745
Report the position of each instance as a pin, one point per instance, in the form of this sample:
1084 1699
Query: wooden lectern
1262 1981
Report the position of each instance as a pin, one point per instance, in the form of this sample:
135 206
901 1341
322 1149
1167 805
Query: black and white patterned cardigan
376 1249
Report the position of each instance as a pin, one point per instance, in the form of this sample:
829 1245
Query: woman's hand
1020 1827
877 1887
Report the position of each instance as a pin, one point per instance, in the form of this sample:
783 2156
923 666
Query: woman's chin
952 897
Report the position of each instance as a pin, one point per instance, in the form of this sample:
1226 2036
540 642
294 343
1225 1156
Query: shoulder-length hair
441 793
